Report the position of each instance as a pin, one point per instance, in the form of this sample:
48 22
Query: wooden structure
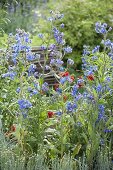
49 77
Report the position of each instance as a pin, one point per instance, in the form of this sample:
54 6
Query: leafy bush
80 16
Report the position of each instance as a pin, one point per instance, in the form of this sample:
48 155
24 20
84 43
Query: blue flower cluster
70 61
9 74
65 79
68 50
102 28
86 50
99 88
30 56
74 90
22 41
96 49
101 114
24 104
32 91
58 36
57 62
31 69
45 87
70 107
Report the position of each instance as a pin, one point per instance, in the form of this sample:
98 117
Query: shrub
79 20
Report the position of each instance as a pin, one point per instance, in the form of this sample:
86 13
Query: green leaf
76 149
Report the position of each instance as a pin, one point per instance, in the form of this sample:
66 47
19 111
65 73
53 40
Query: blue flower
70 61
59 113
108 79
43 47
61 68
108 130
37 56
59 62
68 49
101 108
26 38
78 97
40 35
31 69
63 80
24 115
58 36
99 88
71 106
101 113
30 56
36 74
52 47
59 90
102 141
60 16
74 90
94 58
79 124
29 89
96 49
50 19
18 90
33 92
107 43
11 75
52 61
62 25
24 104
80 81
86 50
45 87
47 67
101 28
10 34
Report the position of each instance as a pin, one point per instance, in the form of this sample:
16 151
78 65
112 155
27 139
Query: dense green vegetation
79 20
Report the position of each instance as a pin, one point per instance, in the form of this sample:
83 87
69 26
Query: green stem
104 67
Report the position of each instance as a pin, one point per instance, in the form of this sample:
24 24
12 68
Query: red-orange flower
64 74
90 77
50 114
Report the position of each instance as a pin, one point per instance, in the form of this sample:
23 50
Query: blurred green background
79 19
